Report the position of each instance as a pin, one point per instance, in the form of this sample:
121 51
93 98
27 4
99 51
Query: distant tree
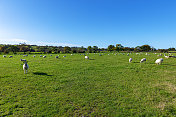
74 51
127 49
13 49
2 48
54 49
119 47
137 49
89 49
162 50
111 47
67 49
95 49
171 49
102 49
24 49
81 49
6 51
132 49
145 48
42 49
153 49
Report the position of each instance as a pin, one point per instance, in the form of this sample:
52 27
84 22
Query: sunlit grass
105 85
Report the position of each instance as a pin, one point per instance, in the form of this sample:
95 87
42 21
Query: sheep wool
25 67
130 60
159 61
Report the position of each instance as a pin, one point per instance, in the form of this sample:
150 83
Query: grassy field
105 85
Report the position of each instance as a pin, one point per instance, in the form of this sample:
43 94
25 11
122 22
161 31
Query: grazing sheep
130 60
4 56
100 55
40 55
10 56
142 60
64 56
44 56
25 67
166 56
57 56
51 55
22 59
34 56
127 54
159 61
86 57
25 55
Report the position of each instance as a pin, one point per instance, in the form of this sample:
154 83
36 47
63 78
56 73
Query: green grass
105 85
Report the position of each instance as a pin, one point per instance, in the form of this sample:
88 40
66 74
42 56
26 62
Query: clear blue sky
89 22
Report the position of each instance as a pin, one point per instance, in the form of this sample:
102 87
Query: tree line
6 48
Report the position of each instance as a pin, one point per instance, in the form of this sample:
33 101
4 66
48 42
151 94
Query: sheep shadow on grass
41 73
168 64
135 62
162 64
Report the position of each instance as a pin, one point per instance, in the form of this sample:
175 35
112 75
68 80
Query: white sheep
4 56
86 57
44 56
159 61
34 56
25 67
142 60
64 56
10 56
166 56
40 55
130 60
57 56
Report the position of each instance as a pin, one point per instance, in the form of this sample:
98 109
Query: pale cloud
12 41
55 44
17 41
